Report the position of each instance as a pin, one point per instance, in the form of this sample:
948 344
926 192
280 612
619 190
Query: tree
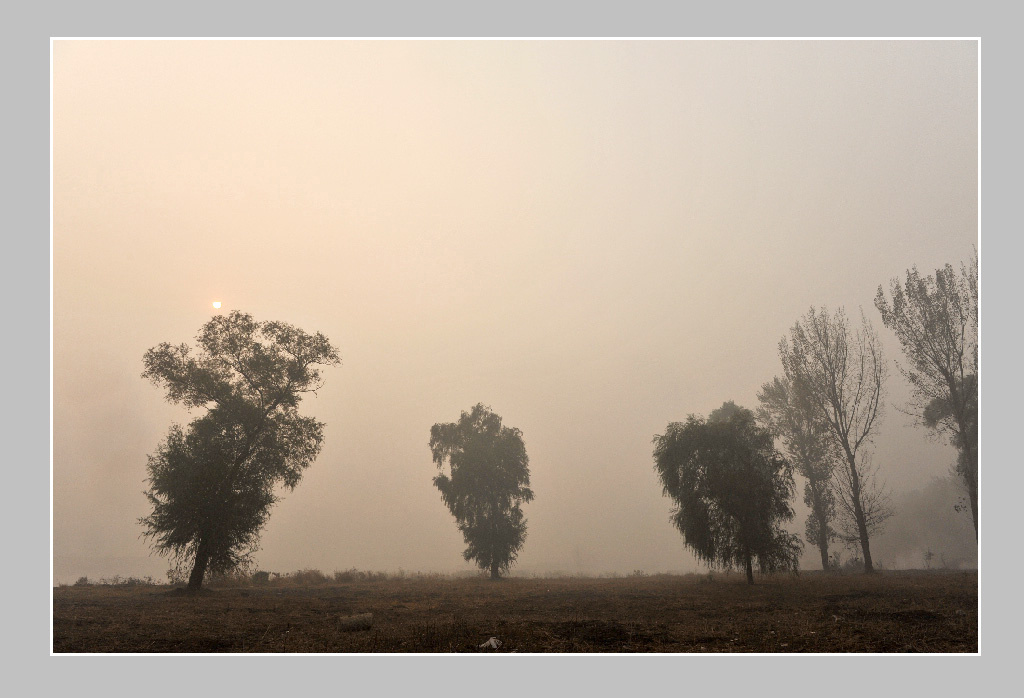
488 480
871 496
790 416
731 489
212 484
842 374
935 319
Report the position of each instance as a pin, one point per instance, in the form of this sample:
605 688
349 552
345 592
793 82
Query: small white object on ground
493 643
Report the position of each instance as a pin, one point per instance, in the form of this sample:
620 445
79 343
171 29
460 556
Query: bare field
886 612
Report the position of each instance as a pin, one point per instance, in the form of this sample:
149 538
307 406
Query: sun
216 304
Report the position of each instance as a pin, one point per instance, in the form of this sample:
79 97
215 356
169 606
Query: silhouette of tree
212 484
788 414
487 481
731 489
935 319
842 373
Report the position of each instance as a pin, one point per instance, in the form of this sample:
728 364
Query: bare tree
842 374
936 320
874 502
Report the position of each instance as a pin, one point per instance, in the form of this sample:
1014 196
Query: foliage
935 319
212 483
118 580
731 489
309 577
788 414
487 482
842 373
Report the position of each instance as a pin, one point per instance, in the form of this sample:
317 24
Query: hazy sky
595 238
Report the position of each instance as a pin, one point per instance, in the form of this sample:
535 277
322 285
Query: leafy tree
212 484
731 489
487 482
936 320
788 413
842 373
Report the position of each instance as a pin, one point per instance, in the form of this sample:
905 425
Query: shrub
851 565
82 582
308 578
230 580
118 580
350 575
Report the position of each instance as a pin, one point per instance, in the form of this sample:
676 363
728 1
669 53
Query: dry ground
885 612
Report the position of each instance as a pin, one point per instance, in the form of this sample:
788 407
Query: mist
594 238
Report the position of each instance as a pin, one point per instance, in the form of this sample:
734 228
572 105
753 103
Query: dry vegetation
312 612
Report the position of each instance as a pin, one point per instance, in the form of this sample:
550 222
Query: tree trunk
494 538
858 513
750 570
972 486
823 539
969 454
823 547
967 444
817 511
866 547
195 580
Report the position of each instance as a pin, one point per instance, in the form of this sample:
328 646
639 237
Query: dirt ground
891 611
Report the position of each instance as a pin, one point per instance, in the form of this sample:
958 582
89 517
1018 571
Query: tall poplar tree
935 319
842 373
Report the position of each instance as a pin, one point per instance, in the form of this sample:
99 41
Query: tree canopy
486 483
212 483
787 412
935 319
731 488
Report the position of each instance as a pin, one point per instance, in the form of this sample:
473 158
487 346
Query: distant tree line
212 484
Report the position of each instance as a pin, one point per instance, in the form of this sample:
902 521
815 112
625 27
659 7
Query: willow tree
842 373
789 414
212 484
487 481
731 488
935 319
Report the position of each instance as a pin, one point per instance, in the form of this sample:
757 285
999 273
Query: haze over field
595 238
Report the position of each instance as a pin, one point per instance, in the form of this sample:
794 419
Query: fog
594 238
